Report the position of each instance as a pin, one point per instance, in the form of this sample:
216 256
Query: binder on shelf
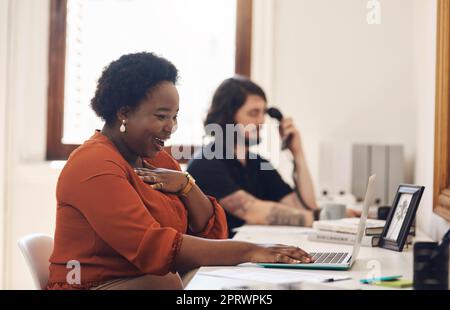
360 170
378 166
386 161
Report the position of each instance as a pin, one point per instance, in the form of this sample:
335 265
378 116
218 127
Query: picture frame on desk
401 217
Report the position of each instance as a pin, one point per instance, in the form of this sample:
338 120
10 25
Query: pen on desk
335 280
380 279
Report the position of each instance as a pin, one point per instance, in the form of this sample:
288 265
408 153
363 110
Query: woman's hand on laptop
279 254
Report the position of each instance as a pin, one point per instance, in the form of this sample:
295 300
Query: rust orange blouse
113 223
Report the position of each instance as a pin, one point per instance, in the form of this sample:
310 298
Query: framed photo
401 216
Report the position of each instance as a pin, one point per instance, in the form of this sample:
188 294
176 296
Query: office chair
37 248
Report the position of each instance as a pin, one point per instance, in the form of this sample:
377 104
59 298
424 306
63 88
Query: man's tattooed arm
256 211
286 216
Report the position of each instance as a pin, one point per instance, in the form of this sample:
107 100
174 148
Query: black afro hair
128 80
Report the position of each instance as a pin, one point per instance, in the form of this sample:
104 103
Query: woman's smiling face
153 121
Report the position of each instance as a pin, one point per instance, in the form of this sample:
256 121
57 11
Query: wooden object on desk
442 114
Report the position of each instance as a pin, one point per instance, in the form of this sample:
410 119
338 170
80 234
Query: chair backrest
37 248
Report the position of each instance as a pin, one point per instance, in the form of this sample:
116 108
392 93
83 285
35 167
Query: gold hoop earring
122 127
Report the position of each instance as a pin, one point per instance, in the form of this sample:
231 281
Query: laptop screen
362 222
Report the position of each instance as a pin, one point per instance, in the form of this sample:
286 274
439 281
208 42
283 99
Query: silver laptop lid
362 222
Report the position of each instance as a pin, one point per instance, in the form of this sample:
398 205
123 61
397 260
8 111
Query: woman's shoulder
95 155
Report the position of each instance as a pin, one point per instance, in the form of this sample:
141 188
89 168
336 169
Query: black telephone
276 114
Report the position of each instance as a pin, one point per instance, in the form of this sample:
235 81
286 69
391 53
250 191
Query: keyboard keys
343 257
328 258
337 258
321 257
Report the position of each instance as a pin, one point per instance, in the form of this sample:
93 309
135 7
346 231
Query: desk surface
371 262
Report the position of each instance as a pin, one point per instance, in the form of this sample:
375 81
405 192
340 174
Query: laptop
338 260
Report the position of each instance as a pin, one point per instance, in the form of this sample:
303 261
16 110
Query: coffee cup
332 211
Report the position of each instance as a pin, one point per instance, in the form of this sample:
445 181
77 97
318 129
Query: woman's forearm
200 209
195 252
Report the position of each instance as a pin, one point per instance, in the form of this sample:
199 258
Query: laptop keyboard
328 257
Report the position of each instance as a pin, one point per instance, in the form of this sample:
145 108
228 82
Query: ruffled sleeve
217 224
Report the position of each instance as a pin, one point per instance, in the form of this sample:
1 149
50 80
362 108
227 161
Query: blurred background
349 72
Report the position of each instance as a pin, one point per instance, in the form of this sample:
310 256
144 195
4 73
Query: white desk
370 262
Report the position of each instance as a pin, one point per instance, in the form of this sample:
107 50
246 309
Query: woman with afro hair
127 216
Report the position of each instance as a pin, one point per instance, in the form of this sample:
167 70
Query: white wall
424 56
30 189
4 6
342 80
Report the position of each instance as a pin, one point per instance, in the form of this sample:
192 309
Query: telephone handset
276 114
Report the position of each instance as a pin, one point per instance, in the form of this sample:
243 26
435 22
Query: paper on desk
270 275
273 229
286 286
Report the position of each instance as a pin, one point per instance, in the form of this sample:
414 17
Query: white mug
332 211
